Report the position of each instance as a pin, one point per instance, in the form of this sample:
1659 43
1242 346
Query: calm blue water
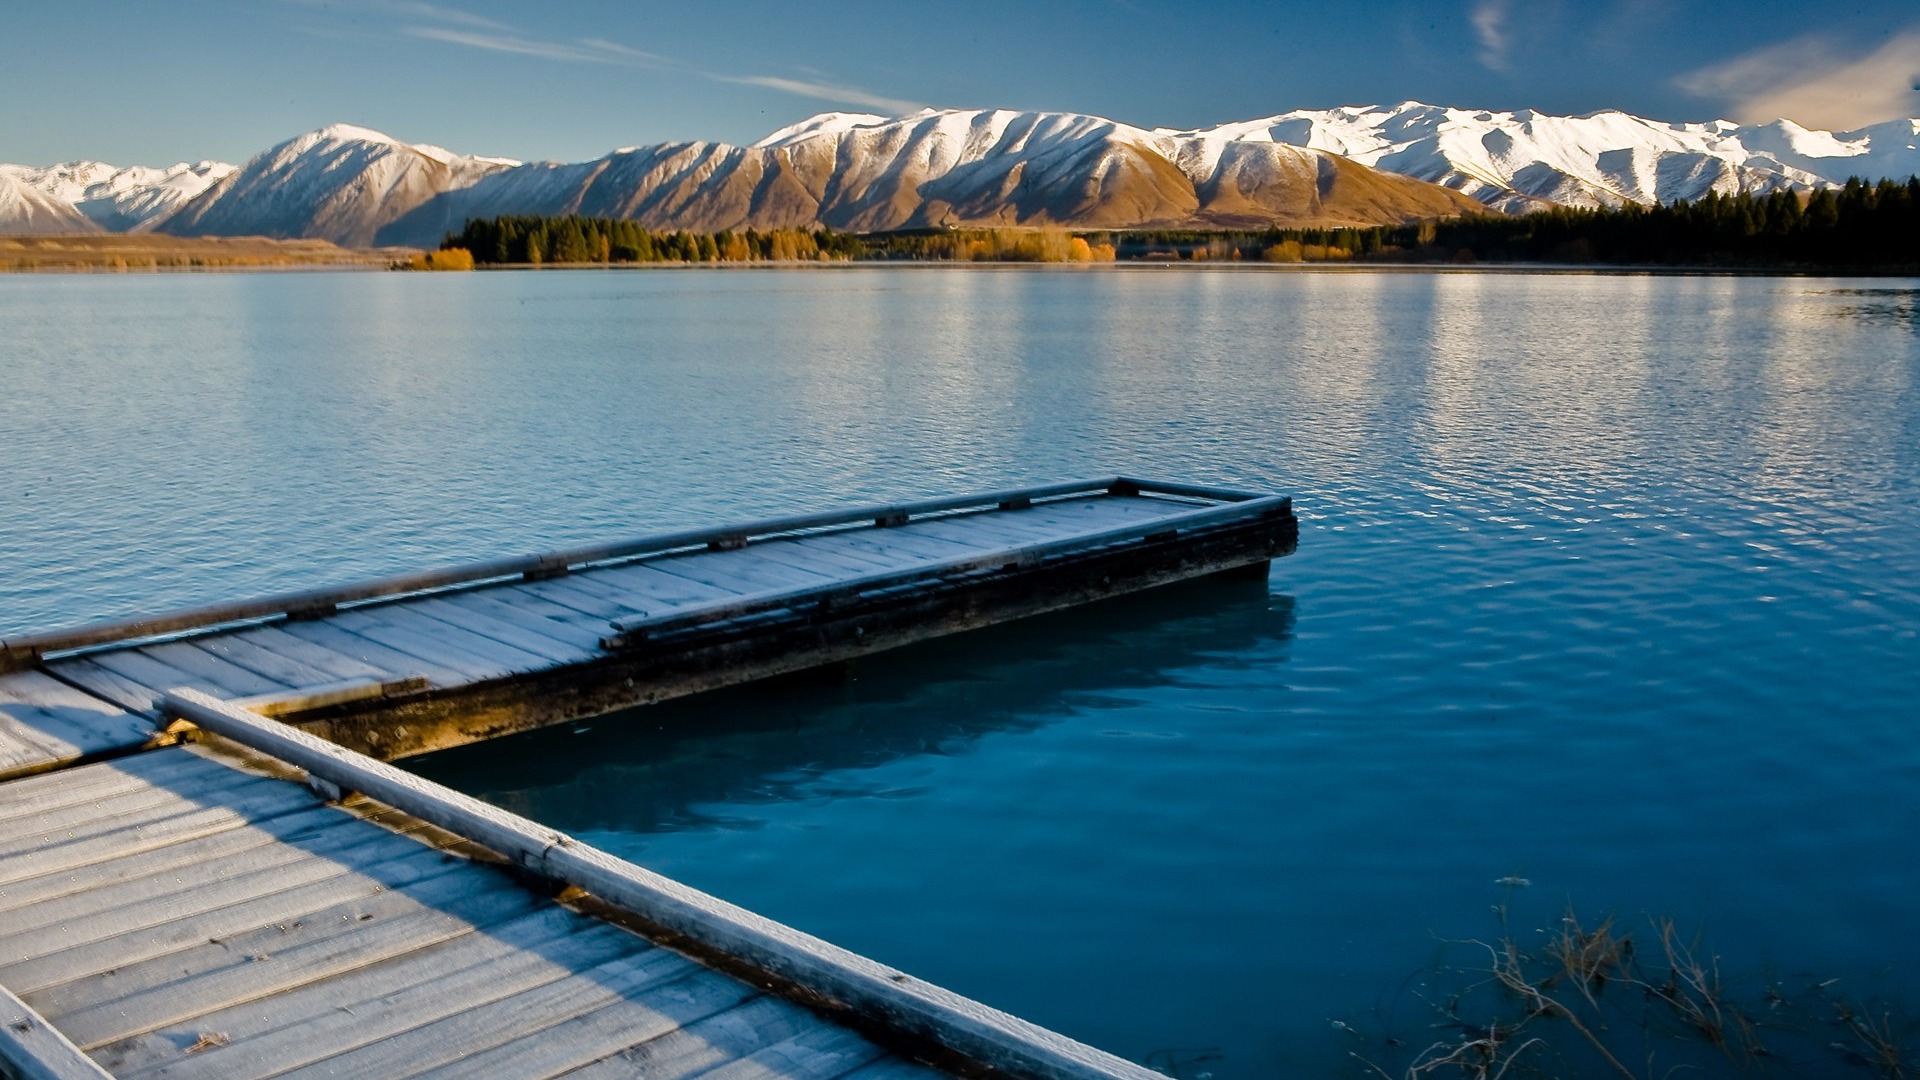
1609 583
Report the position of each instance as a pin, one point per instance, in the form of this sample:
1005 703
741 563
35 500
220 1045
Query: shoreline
121 253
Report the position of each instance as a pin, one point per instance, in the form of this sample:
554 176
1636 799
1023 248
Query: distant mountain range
858 172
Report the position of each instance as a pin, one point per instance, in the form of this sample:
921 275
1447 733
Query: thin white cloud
845 95
506 39
1815 83
614 48
1489 21
513 43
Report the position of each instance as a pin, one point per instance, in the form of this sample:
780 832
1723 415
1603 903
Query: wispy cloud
454 26
846 95
1489 20
512 43
1816 82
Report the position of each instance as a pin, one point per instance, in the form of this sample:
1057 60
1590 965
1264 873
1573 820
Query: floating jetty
207 867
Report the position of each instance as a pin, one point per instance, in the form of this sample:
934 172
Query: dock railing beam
868 989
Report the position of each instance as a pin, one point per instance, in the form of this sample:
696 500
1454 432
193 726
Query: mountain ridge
1354 165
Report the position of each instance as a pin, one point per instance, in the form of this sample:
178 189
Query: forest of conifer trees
1858 227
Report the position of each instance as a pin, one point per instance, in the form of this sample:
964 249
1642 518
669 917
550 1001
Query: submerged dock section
191 888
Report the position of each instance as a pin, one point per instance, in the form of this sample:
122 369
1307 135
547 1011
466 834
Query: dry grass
122 252
1583 1001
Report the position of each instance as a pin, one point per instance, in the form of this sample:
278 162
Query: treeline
572 239
1859 226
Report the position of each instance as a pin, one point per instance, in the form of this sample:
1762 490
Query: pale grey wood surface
45 722
315 942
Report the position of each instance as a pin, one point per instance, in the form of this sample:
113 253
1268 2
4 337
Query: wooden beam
32 1049
334 693
872 990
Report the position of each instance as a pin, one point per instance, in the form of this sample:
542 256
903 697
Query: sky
149 83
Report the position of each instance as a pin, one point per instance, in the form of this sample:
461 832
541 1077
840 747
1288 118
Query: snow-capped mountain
988 167
1516 161
122 199
25 210
856 171
341 183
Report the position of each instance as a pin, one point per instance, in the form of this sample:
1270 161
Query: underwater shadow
651 768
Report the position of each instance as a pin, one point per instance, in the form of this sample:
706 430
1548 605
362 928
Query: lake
1606 583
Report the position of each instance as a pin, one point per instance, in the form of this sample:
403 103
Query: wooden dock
188 888
424 661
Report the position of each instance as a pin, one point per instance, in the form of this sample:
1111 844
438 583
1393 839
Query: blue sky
571 79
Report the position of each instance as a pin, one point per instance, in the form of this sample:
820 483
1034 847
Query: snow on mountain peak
823 124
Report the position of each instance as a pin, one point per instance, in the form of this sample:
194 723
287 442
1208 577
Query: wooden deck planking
661 987
272 1035
45 722
276 663
329 945
390 661
705 1044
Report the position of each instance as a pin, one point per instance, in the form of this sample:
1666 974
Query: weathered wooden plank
675 983
238 681
877 554
514 604
62 978
19 757
33 831
290 829
272 1034
739 572
475 659
132 837
580 593
275 641
988 532
316 945
154 675
31 1048
130 906
330 635
111 685
46 713
692 1050
591 1034
902 543
515 632
284 670
308 698
408 616
652 586
822 560
86 782
821 1054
